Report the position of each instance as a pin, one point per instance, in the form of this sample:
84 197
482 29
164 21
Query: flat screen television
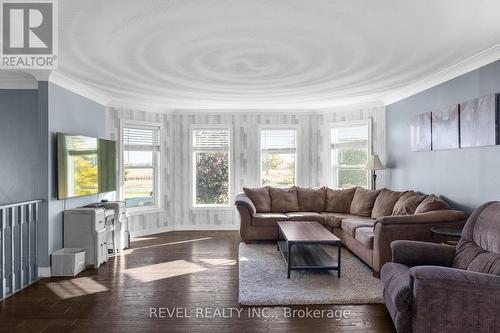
85 165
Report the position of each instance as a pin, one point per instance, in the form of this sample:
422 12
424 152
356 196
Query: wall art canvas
479 122
420 132
445 131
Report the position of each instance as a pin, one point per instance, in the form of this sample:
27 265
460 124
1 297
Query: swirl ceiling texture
266 54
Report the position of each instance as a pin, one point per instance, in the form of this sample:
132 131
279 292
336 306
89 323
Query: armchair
439 288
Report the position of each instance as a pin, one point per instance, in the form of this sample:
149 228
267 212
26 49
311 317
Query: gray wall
464 177
73 114
20 147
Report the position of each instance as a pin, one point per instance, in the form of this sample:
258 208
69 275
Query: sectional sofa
367 221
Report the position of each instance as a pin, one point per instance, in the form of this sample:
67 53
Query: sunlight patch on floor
219 261
163 270
76 287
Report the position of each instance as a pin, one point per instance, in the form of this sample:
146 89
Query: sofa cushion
311 199
305 216
384 204
408 203
260 198
350 225
431 203
339 201
363 201
268 219
333 220
284 200
364 235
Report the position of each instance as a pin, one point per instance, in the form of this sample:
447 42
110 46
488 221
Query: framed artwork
445 131
420 132
479 122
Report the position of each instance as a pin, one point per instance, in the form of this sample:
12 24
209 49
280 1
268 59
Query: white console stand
100 228
85 228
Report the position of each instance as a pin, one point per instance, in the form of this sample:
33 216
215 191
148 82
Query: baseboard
202 227
141 233
207 227
44 272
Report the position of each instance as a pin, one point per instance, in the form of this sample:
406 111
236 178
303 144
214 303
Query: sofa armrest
453 278
437 216
243 200
454 300
414 253
410 227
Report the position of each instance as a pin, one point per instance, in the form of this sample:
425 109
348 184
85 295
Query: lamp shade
374 163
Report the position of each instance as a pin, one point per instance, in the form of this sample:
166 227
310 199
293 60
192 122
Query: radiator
18 246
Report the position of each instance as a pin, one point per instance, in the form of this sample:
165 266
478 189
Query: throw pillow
311 199
363 201
385 203
408 203
260 198
432 202
284 200
339 201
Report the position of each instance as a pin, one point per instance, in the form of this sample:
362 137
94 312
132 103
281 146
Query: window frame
294 127
157 159
192 166
331 175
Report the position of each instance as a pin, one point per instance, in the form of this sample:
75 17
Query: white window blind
211 139
278 140
141 138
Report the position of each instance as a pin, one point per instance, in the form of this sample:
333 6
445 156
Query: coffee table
300 243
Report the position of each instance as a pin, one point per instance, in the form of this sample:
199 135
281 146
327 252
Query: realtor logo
29 34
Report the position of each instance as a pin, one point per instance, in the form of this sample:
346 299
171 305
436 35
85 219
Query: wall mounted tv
85 165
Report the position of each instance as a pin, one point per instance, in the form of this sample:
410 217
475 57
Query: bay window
141 165
350 146
278 156
211 166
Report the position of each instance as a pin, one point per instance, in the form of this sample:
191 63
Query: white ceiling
286 54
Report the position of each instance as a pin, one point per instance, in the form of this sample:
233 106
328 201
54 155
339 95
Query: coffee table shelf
301 244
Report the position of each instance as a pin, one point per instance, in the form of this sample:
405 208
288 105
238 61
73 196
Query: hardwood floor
181 270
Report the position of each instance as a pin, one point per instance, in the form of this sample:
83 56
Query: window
350 145
211 166
141 165
278 156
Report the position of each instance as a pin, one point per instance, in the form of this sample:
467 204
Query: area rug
263 280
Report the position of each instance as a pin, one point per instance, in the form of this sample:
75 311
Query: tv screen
85 165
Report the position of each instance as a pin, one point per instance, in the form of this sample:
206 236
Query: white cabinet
85 228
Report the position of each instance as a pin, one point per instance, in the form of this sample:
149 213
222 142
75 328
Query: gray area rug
263 281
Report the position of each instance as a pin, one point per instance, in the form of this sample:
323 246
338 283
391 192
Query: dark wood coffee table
300 243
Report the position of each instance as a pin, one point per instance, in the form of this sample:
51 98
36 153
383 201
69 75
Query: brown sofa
366 221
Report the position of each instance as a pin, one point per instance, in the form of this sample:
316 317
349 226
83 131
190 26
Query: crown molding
16 79
25 84
463 67
352 107
131 105
78 88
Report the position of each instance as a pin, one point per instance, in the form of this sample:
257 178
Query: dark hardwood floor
171 270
